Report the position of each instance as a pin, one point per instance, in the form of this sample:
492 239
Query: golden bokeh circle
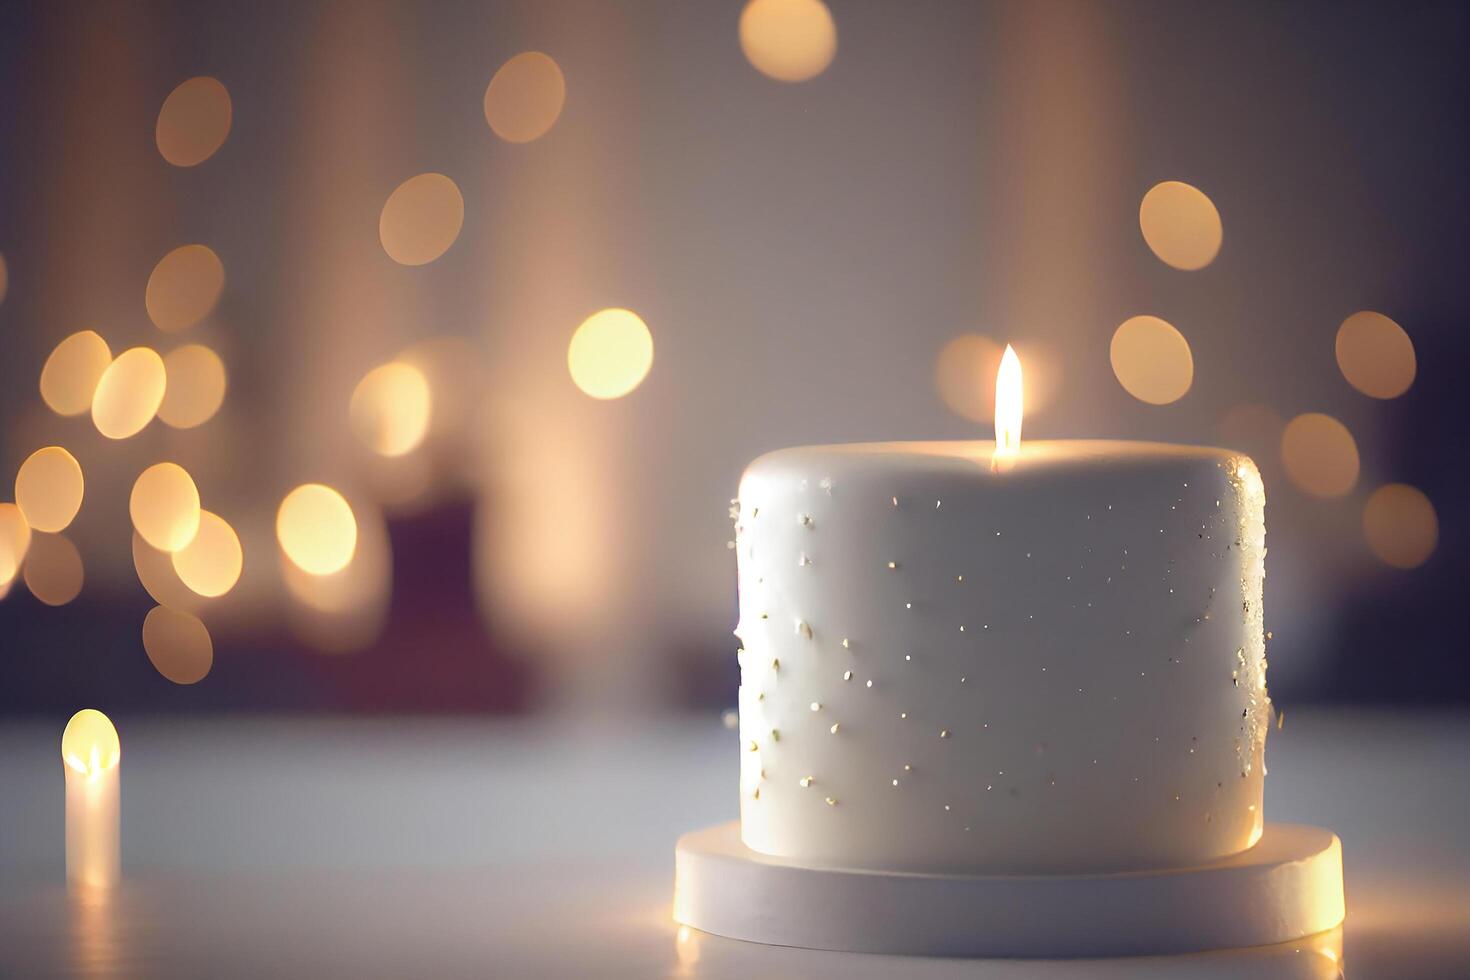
49 489
610 353
53 569
129 392
1151 360
195 388
210 564
157 576
15 541
178 645
90 737
788 40
316 529
164 506
525 97
194 121
1181 225
1320 455
421 219
184 287
1400 525
70 375
1375 355
390 408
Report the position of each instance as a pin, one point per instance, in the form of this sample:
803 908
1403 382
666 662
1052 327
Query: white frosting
1053 668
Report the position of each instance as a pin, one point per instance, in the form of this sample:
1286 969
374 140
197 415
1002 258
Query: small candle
91 753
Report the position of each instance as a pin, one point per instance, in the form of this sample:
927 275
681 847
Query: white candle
1001 657
92 755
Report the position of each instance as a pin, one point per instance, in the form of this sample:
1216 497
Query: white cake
1055 668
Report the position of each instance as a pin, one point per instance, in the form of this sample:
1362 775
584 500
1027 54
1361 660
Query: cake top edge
1040 452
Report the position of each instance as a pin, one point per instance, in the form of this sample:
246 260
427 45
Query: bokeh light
390 408
4 278
421 219
49 488
1375 355
1400 525
53 569
610 353
129 392
788 40
525 97
345 611
165 506
90 741
210 564
69 377
184 287
316 529
15 541
157 576
195 388
1180 224
194 121
178 645
1151 360
1320 454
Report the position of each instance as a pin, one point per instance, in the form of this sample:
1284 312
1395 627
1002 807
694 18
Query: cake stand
1286 887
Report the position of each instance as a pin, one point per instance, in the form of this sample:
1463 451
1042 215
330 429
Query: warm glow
1320 454
194 121
157 576
184 287
421 219
390 408
89 744
1151 360
15 541
610 354
316 529
1008 405
524 99
788 40
964 376
165 506
195 388
1181 225
129 393
178 645
49 488
344 611
70 375
1375 355
4 278
1401 526
53 569
211 563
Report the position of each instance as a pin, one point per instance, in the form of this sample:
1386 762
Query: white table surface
260 847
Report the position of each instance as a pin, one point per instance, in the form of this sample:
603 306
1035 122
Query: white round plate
1286 887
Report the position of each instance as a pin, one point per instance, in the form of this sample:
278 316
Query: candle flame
1007 409
90 745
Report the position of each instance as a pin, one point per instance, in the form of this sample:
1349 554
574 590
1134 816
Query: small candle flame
1007 410
90 744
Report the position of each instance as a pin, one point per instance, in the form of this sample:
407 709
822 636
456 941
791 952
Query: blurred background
457 322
